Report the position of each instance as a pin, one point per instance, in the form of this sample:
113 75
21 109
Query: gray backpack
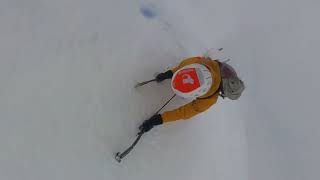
231 85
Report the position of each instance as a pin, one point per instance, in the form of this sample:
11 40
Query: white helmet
192 81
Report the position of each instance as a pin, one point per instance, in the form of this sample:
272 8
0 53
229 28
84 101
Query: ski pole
144 83
165 104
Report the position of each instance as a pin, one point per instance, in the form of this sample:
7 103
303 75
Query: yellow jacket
201 103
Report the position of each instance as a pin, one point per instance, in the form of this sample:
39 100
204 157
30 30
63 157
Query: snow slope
67 102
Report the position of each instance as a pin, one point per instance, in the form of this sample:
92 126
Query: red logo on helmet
186 80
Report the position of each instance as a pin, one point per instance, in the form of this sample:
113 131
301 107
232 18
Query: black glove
153 121
162 76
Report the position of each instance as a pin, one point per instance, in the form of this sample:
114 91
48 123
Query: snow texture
67 102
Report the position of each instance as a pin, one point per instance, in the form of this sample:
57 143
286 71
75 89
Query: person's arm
168 74
184 112
185 62
189 110
163 76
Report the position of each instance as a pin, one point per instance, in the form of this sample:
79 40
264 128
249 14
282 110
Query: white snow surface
67 102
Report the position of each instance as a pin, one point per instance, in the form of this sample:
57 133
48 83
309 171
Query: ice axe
119 156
